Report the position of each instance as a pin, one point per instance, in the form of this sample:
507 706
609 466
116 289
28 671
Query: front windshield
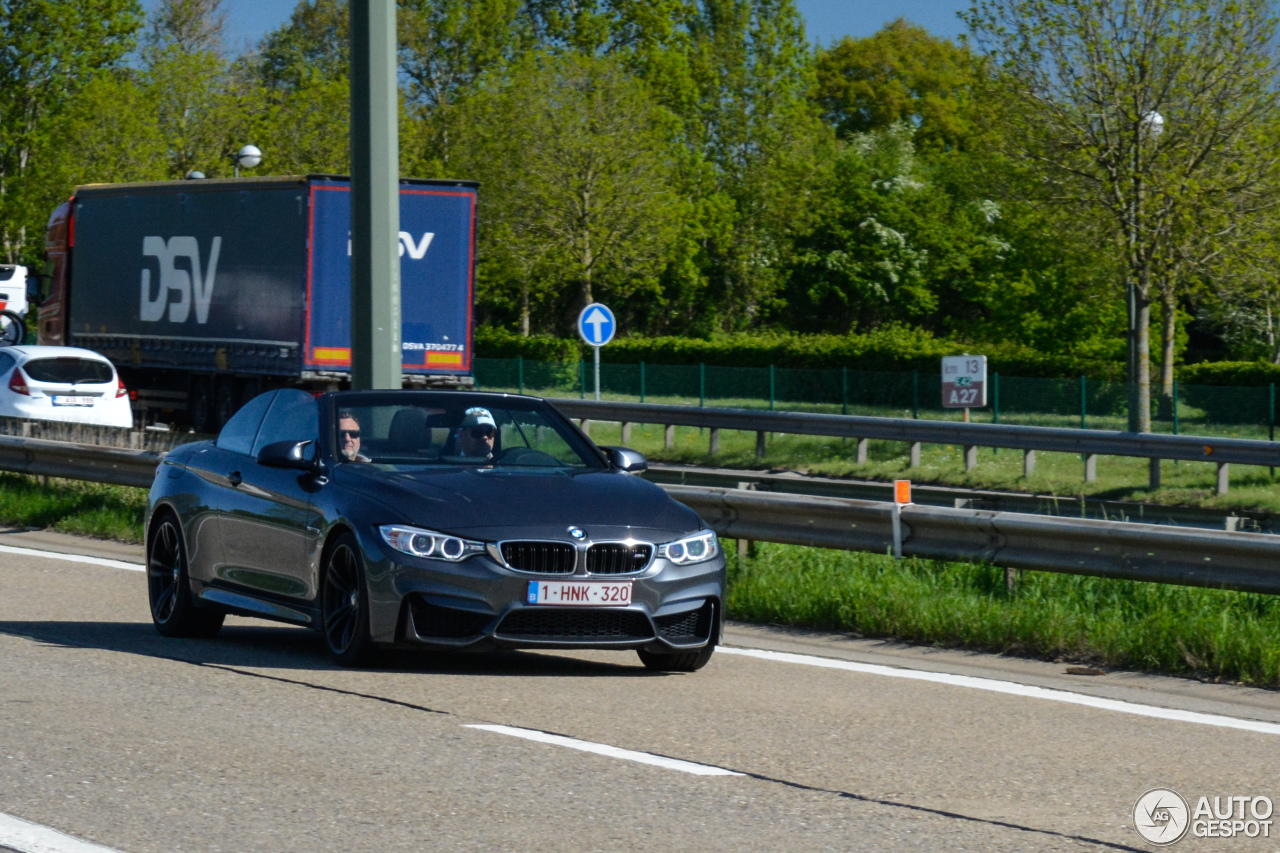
448 429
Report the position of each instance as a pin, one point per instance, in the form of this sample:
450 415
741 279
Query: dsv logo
417 250
193 286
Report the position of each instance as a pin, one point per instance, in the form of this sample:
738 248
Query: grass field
1210 634
1119 478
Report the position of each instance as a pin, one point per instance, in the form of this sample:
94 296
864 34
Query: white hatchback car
62 384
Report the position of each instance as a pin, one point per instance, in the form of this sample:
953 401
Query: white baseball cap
477 416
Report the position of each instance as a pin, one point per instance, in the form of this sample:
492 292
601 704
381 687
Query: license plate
73 401
580 594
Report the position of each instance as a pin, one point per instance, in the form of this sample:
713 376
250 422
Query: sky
826 20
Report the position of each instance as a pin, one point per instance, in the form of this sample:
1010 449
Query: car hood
493 503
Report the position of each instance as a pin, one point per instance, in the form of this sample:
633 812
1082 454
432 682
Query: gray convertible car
429 519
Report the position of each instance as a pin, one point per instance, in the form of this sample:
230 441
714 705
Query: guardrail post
970 457
626 433
1224 471
862 451
715 441
760 448
915 454
746 547
586 427
669 437
1090 467
1153 473
1028 463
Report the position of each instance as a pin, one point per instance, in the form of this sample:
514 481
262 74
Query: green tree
48 50
1091 83
577 161
901 74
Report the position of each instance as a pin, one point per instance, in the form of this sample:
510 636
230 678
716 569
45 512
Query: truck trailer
204 293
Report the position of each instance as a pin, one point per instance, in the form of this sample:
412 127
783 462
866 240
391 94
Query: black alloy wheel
346 604
169 588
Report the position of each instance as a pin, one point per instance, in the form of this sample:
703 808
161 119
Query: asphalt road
255 742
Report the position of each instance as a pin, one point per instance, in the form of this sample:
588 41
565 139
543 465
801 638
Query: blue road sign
596 324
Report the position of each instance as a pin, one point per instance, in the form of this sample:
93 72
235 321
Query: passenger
349 438
476 434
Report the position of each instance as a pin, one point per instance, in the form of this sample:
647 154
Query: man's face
349 438
477 440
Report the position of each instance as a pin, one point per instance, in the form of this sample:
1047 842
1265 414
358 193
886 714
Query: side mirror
626 459
288 454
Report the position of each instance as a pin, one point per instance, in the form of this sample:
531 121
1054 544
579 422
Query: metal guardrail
1113 549
1066 506
1110 549
1029 439
111 465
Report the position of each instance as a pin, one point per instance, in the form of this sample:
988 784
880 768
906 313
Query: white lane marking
611 751
73 558
1013 689
27 837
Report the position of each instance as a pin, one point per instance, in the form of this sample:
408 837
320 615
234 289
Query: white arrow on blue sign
597 325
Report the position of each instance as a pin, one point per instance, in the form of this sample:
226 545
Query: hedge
889 349
1238 373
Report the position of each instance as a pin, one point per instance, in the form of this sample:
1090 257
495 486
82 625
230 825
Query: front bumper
479 604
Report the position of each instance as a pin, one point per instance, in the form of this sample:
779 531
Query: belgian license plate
76 400
580 594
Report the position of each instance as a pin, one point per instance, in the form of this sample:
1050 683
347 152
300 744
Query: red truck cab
59 238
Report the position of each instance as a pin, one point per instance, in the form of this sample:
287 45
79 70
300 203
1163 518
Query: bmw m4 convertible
429 519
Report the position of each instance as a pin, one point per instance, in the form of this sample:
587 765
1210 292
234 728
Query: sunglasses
482 432
350 433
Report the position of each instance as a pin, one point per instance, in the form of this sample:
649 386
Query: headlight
691 549
427 543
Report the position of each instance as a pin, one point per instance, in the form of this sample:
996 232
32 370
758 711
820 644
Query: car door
217 495
267 528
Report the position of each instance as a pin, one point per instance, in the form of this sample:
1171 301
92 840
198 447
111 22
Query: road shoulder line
1012 688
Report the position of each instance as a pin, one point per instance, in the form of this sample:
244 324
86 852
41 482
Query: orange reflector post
902 491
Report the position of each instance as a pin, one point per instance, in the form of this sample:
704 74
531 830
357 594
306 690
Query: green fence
1246 412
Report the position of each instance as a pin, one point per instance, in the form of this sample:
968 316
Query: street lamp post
1150 126
248 157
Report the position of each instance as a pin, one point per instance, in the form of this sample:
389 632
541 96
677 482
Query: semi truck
204 293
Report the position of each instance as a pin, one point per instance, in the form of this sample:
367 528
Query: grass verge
73 506
1209 634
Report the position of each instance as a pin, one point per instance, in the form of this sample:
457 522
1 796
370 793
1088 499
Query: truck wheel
200 405
12 329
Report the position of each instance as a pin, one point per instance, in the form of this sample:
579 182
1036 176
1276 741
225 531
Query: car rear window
71 371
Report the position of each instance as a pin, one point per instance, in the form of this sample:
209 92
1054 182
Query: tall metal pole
375 197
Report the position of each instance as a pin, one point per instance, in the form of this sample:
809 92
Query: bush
1237 373
892 348
493 342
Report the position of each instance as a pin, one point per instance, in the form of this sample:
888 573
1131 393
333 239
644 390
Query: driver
476 434
349 438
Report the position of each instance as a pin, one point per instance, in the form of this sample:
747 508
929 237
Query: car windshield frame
455 403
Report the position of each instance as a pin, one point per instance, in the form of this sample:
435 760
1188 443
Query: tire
345 604
691 661
13 329
169 586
